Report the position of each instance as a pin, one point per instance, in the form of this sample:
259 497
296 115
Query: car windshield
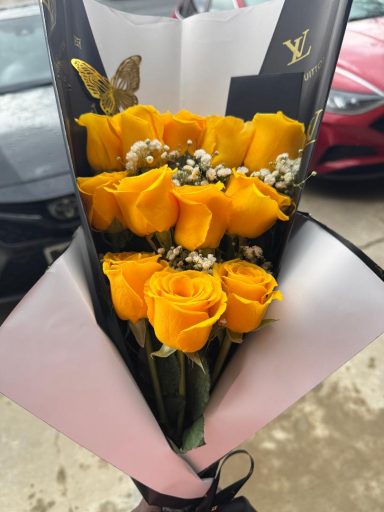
362 9
248 3
222 5
23 54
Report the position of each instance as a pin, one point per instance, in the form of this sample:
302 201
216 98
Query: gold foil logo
313 127
297 47
77 41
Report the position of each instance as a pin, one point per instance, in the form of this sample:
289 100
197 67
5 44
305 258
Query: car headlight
64 208
349 103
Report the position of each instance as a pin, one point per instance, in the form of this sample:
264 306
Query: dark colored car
351 138
38 211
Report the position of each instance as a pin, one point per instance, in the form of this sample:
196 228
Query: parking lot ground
323 453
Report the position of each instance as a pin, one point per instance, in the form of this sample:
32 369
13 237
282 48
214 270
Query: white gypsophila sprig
182 259
145 154
255 254
281 175
197 169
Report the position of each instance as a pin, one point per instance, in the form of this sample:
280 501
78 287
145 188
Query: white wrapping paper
186 65
57 363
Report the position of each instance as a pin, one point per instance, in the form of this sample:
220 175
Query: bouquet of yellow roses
180 200
189 215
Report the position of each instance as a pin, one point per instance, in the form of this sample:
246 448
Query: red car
352 133
351 139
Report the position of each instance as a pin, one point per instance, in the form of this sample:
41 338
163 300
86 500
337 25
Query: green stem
221 356
182 392
151 243
155 379
165 239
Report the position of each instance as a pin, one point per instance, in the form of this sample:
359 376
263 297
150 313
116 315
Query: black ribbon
215 500
224 500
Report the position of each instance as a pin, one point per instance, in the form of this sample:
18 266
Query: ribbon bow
214 501
224 500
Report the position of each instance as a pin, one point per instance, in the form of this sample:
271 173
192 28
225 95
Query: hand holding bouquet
180 199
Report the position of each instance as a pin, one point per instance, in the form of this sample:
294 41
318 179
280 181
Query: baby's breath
182 259
197 169
191 168
254 254
145 154
281 175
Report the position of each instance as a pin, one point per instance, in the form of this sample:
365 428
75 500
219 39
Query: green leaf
193 437
164 351
168 371
198 388
139 330
175 405
266 322
117 236
115 227
216 332
196 359
235 337
165 239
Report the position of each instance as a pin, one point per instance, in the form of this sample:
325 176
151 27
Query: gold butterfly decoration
51 8
116 93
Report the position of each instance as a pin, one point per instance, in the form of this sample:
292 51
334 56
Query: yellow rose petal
247 301
255 206
274 134
203 217
140 122
146 201
99 202
230 137
190 301
104 145
181 128
127 274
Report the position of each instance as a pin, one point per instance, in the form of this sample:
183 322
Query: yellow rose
255 207
183 306
127 273
146 202
140 122
104 147
203 217
180 128
274 134
230 137
99 201
250 290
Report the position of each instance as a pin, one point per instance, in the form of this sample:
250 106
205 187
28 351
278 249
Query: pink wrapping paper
57 363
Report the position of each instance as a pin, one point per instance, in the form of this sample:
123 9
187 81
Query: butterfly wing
97 85
126 81
124 99
108 103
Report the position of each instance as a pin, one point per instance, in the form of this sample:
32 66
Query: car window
248 3
362 9
222 5
23 53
